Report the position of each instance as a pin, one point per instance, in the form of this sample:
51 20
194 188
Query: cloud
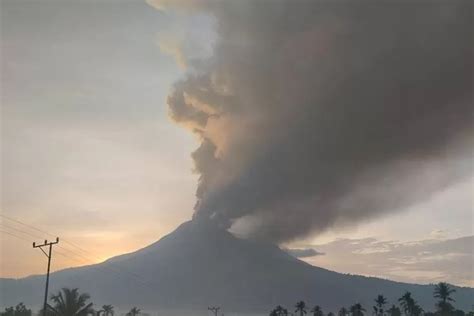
424 261
316 114
304 253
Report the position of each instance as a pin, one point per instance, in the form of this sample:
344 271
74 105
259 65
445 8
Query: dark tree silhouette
135 311
394 311
407 303
300 308
380 302
69 302
357 310
279 311
19 310
317 311
343 312
443 291
108 310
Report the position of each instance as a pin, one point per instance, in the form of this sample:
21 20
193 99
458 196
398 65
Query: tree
317 311
343 312
279 311
357 310
69 302
108 310
135 311
417 310
444 308
409 305
19 310
443 291
300 308
380 302
394 311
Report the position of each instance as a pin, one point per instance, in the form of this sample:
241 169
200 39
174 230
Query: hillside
199 265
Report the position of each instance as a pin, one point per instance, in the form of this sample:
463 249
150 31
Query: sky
89 153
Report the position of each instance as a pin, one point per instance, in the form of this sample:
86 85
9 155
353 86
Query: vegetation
300 308
317 311
408 306
70 302
357 310
134 312
380 302
443 292
394 311
19 310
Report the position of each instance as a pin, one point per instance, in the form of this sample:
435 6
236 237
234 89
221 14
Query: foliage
380 302
357 310
317 311
69 302
300 308
134 312
19 310
394 311
443 291
343 312
409 305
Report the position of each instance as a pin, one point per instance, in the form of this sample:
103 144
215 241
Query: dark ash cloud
313 114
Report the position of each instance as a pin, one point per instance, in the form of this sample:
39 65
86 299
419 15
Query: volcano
199 265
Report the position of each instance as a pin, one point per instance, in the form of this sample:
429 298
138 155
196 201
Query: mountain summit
200 264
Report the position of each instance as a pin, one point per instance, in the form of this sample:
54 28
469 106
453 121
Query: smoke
314 114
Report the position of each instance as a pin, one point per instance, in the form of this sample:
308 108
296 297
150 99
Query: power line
117 269
19 237
74 259
32 227
21 231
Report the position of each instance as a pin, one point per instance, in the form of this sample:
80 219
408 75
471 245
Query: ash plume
315 114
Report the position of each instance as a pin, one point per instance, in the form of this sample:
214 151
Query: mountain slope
199 265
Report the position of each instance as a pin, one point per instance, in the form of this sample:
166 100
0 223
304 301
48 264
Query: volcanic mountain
200 264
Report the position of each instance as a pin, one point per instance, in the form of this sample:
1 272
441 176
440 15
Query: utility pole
48 255
214 309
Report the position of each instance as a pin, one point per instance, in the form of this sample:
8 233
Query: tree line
70 302
407 306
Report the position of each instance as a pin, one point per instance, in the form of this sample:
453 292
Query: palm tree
279 311
443 291
108 310
417 310
394 311
343 312
380 302
407 303
357 310
69 302
317 311
301 308
134 312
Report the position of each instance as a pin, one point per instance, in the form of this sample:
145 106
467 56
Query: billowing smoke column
313 114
